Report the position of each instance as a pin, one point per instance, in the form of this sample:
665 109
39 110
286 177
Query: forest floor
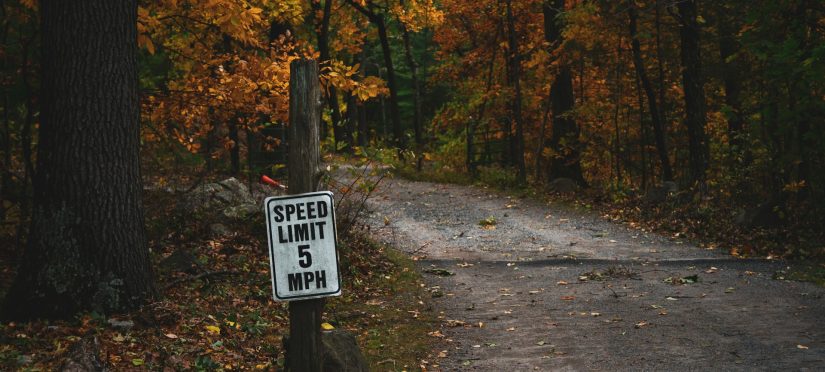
520 284
215 310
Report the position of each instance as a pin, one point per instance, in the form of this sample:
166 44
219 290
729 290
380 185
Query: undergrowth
218 313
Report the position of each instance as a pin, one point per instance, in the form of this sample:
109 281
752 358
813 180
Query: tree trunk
395 115
617 145
642 132
87 247
305 351
655 118
331 95
363 125
5 141
235 151
695 119
565 135
728 47
515 79
413 66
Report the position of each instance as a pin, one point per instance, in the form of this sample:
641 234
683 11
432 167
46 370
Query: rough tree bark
565 134
695 117
87 247
655 111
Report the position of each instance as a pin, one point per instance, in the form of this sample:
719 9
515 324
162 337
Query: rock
237 188
765 215
341 352
660 194
122 325
241 212
227 193
83 356
180 260
217 230
564 185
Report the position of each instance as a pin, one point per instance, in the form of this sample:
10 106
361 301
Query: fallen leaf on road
640 324
595 314
511 329
171 335
803 347
540 343
711 270
568 298
730 290
561 282
436 334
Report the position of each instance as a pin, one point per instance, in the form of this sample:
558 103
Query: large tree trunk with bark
695 119
87 247
566 161
655 117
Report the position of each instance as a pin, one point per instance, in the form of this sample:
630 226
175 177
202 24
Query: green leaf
137 362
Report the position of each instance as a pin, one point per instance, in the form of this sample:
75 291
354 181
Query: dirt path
551 288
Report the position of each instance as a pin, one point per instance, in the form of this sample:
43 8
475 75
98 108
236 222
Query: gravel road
549 287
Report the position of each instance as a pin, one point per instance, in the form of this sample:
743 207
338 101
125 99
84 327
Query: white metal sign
303 256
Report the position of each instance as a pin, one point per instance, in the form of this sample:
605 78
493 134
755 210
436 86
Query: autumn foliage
724 99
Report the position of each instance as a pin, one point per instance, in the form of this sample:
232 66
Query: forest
698 119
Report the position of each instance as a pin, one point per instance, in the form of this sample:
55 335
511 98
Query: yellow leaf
327 327
146 42
215 330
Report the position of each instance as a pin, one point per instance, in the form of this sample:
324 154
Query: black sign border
272 247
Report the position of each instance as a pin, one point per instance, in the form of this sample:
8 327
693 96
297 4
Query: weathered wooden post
305 350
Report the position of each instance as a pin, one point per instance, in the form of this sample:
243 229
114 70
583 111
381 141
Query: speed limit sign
303 256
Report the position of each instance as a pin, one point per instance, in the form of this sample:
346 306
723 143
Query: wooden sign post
305 349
